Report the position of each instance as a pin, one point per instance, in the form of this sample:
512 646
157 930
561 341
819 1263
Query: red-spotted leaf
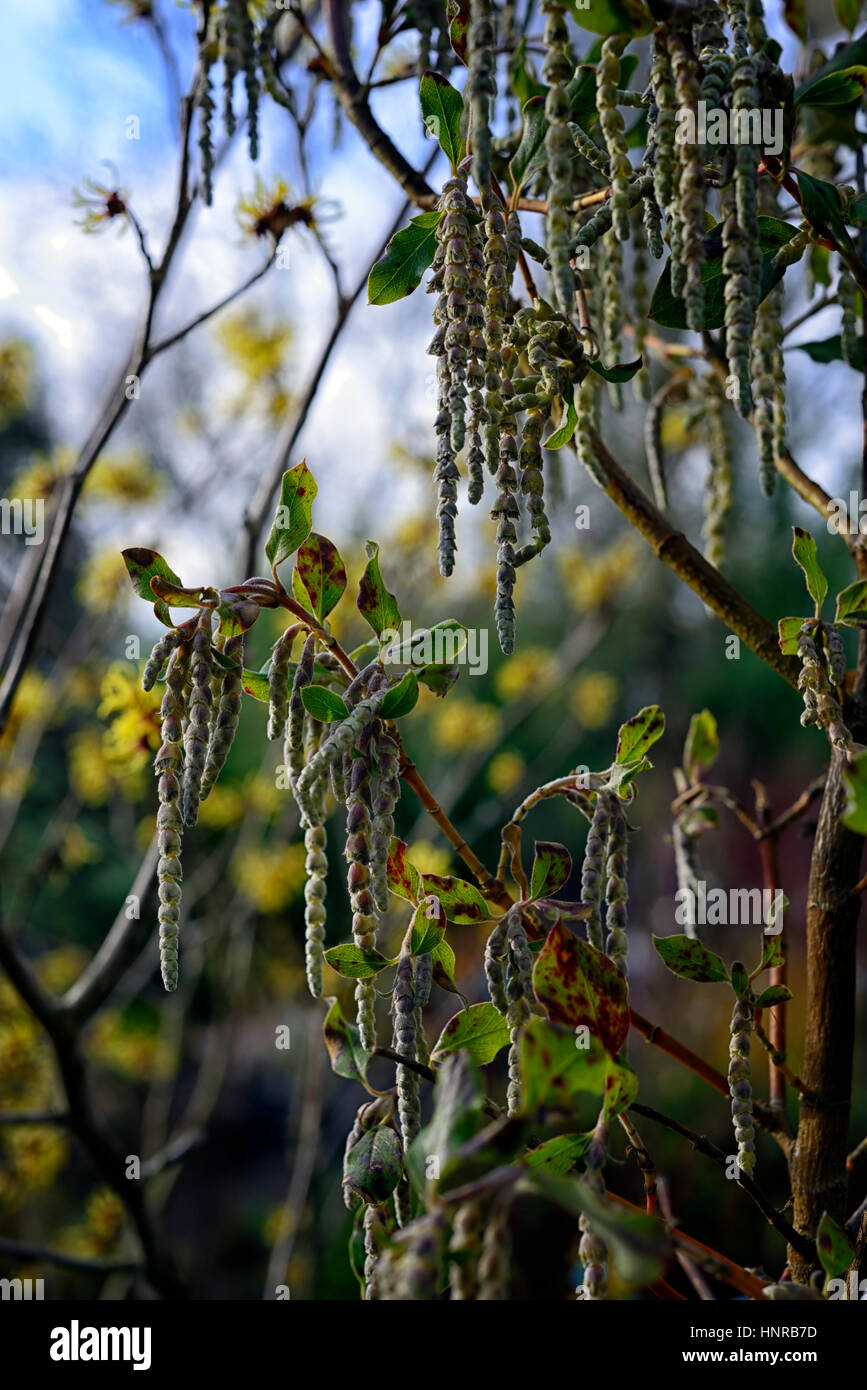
788 629
577 984
342 1040
639 734
294 515
559 1155
374 1165
689 959
833 1248
774 994
806 555
375 604
404 879
852 604
142 565
427 928
552 865
481 1031
702 745
321 571
461 902
355 964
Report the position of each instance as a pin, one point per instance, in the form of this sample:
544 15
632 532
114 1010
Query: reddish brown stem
769 850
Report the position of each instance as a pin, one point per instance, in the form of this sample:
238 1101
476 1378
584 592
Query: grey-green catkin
385 796
740 1085
817 687
197 732
232 61
592 1250
497 283
653 452
293 743
361 898
640 304
685 866
403 1004
225 725
248 55
740 311
719 493
691 197
506 512
557 70
351 1199
316 867
417 1275
714 57
278 684
268 67
455 232
167 766
372 1225
614 132
746 98
160 654
836 655
592 882
587 405
767 340
847 293
495 970
476 367
519 991
481 87
206 107
665 152
616 889
589 150
496 1256
611 272
465 1249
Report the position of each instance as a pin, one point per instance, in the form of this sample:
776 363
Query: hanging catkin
316 868
495 971
767 341
386 792
640 304
465 1249
167 766
481 87
611 271
616 889
817 686
278 683
592 1250
206 107
665 152
614 132
718 494
197 732
519 992
247 53
557 71
690 191
847 293
495 1259
160 654
592 882
740 1084
228 713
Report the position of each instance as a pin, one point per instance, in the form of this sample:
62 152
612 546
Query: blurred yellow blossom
134 732
593 698
223 807
462 723
41 474
529 669
59 968
592 580
131 1049
269 876
128 477
76 849
103 581
505 772
16 379
429 858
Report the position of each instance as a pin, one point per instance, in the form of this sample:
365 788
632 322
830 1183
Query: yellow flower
594 696
89 775
462 723
76 850
40 476
104 1220
222 808
16 379
429 858
134 1051
59 968
256 348
505 772
269 876
530 668
36 1153
127 477
103 581
263 794
33 702
134 732
593 580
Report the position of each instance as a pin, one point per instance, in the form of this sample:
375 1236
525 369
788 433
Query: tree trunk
817 1162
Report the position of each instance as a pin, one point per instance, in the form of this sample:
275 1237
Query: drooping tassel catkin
197 732
616 888
228 714
614 132
481 87
557 71
160 654
690 211
278 683
740 1085
592 882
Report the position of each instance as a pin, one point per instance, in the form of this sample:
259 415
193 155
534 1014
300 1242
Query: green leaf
407 257
552 865
853 54
852 604
461 902
401 698
612 16
740 979
577 984
404 879
255 684
823 209
559 1156
319 568
142 565
789 628
702 745
555 1070
834 88
639 734
236 615
459 26
355 964
567 427
831 350
847 12
443 958
444 642
294 515
174 595
458 1115
439 677
832 1247
669 310
427 928
343 1042
690 959
795 15
374 1165
806 555
375 604
480 1031
441 110
324 705
774 994
530 154
772 953
621 371
521 81
855 810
